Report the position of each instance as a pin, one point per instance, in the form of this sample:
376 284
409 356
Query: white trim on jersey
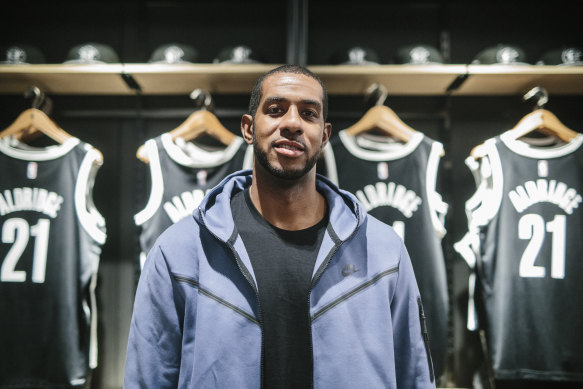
467 248
16 149
437 207
248 158
143 257
476 199
191 155
89 217
157 184
530 151
374 142
493 180
93 345
330 163
381 155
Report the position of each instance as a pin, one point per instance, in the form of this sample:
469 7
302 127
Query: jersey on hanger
50 241
524 243
395 182
181 174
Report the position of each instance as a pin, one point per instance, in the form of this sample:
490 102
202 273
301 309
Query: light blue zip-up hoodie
196 321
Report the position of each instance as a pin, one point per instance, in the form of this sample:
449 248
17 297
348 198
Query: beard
286 174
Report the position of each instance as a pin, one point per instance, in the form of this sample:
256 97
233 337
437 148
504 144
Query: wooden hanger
198 123
544 121
381 117
539 120
33 121
203 122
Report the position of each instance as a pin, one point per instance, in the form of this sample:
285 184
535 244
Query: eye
310 113
273 110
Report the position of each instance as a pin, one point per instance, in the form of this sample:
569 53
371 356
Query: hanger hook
377 91
542 96
202 99
38 97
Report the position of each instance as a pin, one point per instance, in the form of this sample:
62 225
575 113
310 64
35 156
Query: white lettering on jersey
30 199
184 204
551 191
389 194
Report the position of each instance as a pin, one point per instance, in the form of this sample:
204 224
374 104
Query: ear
247 128
326 134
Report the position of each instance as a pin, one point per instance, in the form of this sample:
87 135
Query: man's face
289 132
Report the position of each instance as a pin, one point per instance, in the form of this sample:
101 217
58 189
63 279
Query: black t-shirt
283 262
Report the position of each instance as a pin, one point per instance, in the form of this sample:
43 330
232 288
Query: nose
292 121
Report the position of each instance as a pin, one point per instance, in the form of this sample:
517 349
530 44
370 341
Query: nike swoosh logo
348 270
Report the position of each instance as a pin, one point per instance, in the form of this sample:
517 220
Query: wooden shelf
518 79
398 79
184 78
163 79
64 79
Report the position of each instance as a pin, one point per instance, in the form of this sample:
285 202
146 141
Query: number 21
16 231
532 226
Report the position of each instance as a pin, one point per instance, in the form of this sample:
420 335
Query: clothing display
130 114
523 246
181 174
49 253
396 183
204 291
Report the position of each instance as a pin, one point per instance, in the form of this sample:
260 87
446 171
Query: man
279 279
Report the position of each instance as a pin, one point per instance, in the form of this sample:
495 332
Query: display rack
176 79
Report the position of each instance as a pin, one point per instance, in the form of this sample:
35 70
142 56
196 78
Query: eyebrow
279 99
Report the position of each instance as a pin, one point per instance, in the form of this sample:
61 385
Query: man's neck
289 205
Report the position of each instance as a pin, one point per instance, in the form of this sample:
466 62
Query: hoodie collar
215 210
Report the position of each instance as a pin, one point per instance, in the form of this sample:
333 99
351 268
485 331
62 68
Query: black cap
18 54
420 54
501 54
357 55
91 53
238 54
174 53
567 56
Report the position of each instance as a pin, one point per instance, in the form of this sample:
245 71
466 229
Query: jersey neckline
198 157
530 151
16 149
396 151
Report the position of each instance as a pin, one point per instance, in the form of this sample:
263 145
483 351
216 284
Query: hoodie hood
345 213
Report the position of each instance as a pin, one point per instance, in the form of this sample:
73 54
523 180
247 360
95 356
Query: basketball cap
357 55
501 54
20 54
174 53
92 53
240 54
420 54
567 56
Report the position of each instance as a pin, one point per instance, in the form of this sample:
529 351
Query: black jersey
181 174
525 242
396 183
51 238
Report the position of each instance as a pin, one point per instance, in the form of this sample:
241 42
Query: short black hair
257 91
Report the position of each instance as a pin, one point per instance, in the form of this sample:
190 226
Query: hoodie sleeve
154 345
413 364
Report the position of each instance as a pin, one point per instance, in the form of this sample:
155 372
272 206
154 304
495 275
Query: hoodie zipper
247 276
319 273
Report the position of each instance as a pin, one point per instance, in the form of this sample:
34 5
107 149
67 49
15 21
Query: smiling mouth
289 145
